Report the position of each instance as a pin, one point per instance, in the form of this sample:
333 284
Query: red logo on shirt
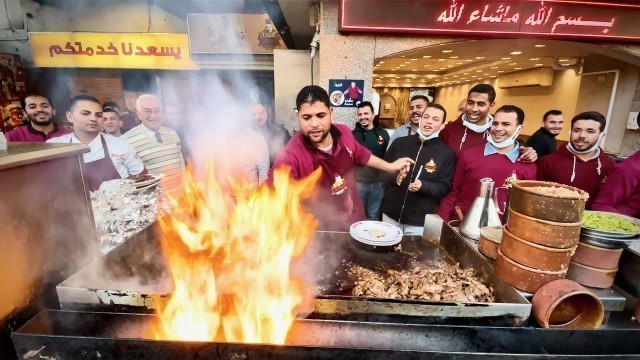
339 186
430 166
380 140
117 156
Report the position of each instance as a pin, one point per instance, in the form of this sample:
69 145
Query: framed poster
345 92
430 93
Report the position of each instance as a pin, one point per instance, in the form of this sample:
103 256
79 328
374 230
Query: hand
415 186
528 154
400 177
401 164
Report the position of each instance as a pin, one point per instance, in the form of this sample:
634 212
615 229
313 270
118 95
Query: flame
229 257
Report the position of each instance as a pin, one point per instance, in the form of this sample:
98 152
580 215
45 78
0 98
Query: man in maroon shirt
496 159
470 129
40 126
332 147
621 193
580 163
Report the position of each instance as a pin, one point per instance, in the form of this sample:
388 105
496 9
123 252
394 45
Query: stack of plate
154 179
608 238
376 233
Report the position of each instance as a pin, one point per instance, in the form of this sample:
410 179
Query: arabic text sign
112 50
516 18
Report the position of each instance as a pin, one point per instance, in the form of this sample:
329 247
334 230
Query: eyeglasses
151 111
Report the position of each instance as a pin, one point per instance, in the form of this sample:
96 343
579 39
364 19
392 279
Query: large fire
229 252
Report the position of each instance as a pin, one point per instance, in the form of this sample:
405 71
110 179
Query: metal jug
482 212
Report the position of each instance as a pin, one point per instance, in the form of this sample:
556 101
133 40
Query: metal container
526 201
482 212
628 276
334 251
534 255
543 232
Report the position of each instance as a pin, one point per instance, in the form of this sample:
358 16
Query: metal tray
632 235
107 284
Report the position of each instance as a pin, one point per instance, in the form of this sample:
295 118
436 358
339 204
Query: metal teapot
483 211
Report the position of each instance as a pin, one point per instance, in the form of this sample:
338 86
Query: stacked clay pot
594 266
541 234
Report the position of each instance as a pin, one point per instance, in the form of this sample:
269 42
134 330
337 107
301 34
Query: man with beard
40 126
109 157
543 141
274 134
370 135
331 147
470 129
417 104
496 159
581 163
412 195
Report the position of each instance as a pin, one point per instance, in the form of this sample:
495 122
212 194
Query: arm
400 164
133 163
622 182
445 210
439 188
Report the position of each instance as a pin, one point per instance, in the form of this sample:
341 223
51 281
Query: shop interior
535 75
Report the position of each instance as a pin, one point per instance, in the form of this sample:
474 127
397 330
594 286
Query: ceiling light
456 75
563 60
447 51
459 63
506 58
465 73
441 59
539 45
539 64
403 56
493 76
427 57
401 65
513 63
500 71
423 80
534 59
450 66
468 60
479 57
518 68
473 76
414 70
442 68
494 67
427 65
515 52
381 62
478 70
453 57
413 59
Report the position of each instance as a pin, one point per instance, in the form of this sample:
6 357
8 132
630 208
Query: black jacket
276 137
376 140
438 162
543 142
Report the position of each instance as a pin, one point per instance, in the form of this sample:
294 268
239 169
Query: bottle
483 211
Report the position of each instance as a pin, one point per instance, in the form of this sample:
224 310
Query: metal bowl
631 235
603 242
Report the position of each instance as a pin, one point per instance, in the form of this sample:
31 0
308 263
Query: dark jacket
376 140
543 142
276 136
438 162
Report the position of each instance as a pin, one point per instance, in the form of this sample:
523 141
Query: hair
109 109
513 109
439 107
419 97
110 104
82 97
591 115
365 104
146 96
551 112
484 89
311 94
23 101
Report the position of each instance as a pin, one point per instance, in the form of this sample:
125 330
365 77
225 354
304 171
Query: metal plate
603 242
632 235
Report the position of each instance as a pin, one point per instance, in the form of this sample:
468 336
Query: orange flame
230 256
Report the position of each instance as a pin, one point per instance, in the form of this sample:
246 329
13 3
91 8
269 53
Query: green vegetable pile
608 222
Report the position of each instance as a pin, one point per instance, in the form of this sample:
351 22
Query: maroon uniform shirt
336 204
474 165
621 192
27 133
565 168
460 138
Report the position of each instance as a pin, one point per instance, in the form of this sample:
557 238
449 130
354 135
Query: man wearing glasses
158 146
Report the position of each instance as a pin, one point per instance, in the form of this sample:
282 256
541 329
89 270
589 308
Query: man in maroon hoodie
580 163
496 159
470 129
332 147
621 193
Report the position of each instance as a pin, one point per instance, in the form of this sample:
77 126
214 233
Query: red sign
556 19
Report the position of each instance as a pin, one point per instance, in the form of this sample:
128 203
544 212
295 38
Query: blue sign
346 93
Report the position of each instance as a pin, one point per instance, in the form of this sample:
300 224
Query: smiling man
110 157
496 159
41 126
410 196
112 124
332 147
544 140
370 135
581 163
417 104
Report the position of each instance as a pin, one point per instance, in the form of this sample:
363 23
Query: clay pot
597 257
543 232
526 201
523 277
534 255
566 304
590 276
490 238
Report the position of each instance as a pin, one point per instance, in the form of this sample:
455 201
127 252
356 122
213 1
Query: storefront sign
345 93
233 34
559 19
112 50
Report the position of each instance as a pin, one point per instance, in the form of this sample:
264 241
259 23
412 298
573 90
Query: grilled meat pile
443 282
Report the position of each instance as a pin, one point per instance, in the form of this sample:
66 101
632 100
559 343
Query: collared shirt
150 133
400 131
122 154
27 133
512 155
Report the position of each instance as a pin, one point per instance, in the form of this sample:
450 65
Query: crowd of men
427 166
